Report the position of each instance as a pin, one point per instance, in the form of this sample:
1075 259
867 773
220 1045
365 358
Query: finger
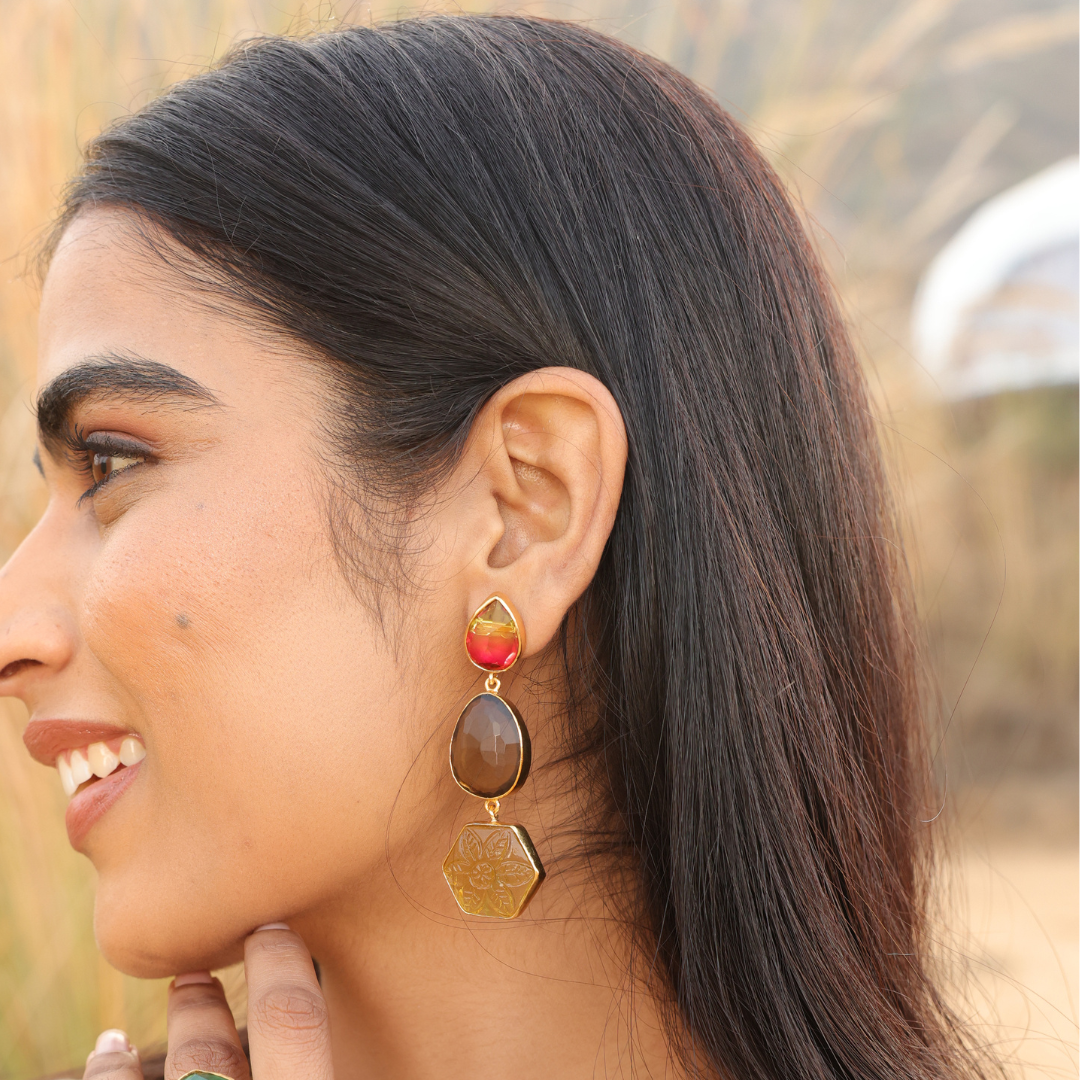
113 1058
202 1034
288 1027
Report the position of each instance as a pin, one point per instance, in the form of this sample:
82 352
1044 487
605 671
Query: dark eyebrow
129 378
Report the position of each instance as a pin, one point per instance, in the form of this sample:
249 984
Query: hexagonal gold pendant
493 870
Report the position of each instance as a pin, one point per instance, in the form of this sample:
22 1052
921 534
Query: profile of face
249 733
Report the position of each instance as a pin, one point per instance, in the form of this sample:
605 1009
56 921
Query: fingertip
112 1041
271 957
272 926
193 978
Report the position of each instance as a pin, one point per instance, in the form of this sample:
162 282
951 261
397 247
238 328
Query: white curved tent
997 308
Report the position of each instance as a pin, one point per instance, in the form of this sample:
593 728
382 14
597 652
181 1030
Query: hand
288 1029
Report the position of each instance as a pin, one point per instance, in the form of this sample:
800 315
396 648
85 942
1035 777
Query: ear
544 465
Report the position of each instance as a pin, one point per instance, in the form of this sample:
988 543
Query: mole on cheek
182 621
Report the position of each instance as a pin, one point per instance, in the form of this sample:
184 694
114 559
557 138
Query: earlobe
555 466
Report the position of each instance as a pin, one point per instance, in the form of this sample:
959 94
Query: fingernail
271 926
113 1041
192 978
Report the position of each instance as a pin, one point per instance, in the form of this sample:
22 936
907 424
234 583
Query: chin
157 938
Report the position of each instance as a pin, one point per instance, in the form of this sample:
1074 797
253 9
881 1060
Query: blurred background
932 147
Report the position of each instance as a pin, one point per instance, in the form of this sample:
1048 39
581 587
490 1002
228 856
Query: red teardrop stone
492 639
489 752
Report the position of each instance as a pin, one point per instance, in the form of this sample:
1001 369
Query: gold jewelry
492 869
204 1074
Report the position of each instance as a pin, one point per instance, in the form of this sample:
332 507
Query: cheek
171 595
268 707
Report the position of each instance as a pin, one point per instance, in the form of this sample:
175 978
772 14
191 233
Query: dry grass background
890 119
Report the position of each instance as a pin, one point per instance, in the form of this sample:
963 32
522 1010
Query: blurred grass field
890 121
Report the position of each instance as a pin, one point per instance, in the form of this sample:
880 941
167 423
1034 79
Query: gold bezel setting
519 629
524 759
493 870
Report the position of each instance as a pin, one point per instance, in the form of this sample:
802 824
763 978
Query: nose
37 638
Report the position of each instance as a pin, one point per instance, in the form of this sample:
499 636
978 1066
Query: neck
457 1006
418 991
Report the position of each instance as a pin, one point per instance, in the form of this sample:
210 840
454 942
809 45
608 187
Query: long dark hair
439 205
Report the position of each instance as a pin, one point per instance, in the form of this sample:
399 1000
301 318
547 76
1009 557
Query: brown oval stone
489 752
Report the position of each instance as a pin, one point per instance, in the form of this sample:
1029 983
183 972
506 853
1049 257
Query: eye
102 456
105 465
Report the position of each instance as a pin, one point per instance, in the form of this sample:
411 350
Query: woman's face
190 599
246 742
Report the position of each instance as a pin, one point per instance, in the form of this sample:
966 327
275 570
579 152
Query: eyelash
85 448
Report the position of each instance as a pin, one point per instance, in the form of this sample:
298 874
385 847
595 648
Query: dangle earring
492 869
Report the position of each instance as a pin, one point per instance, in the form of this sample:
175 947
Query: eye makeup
102 456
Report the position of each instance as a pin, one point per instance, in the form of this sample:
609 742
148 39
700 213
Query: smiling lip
47 739
93 800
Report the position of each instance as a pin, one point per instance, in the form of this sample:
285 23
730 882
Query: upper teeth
97 759
102 760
